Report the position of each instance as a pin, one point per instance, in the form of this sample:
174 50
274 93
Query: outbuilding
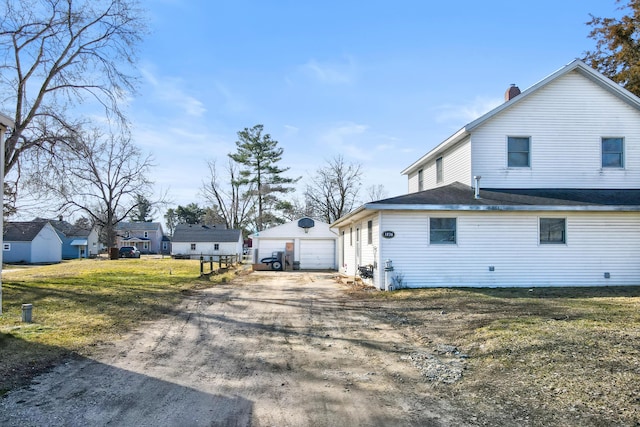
195 240
308 244
31 242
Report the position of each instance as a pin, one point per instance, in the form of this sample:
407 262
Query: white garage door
266 247
318 254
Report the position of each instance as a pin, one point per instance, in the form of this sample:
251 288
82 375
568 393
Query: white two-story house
544 190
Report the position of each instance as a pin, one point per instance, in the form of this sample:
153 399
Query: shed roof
204 233
24 231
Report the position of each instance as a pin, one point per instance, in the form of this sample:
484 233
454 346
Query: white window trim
566 231
457 236
506 151
624 153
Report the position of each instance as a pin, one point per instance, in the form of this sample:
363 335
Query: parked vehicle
129 252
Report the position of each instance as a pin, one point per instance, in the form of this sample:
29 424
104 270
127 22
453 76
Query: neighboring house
77 242
195 240
148 237
313 243
541 191
31 242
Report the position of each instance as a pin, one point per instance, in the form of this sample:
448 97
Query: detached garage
309 244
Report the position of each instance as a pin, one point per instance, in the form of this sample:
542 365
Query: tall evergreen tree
143 210
259 155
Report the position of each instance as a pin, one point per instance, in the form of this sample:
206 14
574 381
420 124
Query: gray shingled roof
22 231
461 197
204 233
66 228
142 226
460 194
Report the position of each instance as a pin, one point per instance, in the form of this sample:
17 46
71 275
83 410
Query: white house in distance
541 191
313 243
194 240
31 242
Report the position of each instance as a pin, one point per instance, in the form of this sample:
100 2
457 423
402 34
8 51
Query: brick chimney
512 92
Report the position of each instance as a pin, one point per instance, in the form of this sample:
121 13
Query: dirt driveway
270 349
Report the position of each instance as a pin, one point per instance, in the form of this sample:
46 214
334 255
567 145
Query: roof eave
506 208
453 139
6 121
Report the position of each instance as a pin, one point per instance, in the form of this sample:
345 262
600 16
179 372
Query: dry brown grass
561 356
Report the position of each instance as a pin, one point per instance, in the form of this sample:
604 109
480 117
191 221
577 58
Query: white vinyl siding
597 243
368 254
455 164
206 248
266 247
566 121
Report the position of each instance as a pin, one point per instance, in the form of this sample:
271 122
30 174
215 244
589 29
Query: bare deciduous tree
376 192
333 191
56 54
101 176
231 197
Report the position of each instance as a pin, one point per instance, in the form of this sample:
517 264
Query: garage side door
318 254
266 247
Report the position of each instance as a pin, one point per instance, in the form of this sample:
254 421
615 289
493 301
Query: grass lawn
78 304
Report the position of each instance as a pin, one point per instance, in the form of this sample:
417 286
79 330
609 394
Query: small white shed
314 243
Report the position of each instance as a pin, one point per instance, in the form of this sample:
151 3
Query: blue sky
378 82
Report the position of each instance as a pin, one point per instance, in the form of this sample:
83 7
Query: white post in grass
5 122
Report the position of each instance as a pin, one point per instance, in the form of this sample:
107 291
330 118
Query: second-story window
146 234
612 153
518 151
420 180
439 171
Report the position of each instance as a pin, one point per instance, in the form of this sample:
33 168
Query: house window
439 170
351 237
146 234
369 232
193 246
442 231
553 230
216 246
420 180
6 246
164 245
145 246
518 152
612 153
